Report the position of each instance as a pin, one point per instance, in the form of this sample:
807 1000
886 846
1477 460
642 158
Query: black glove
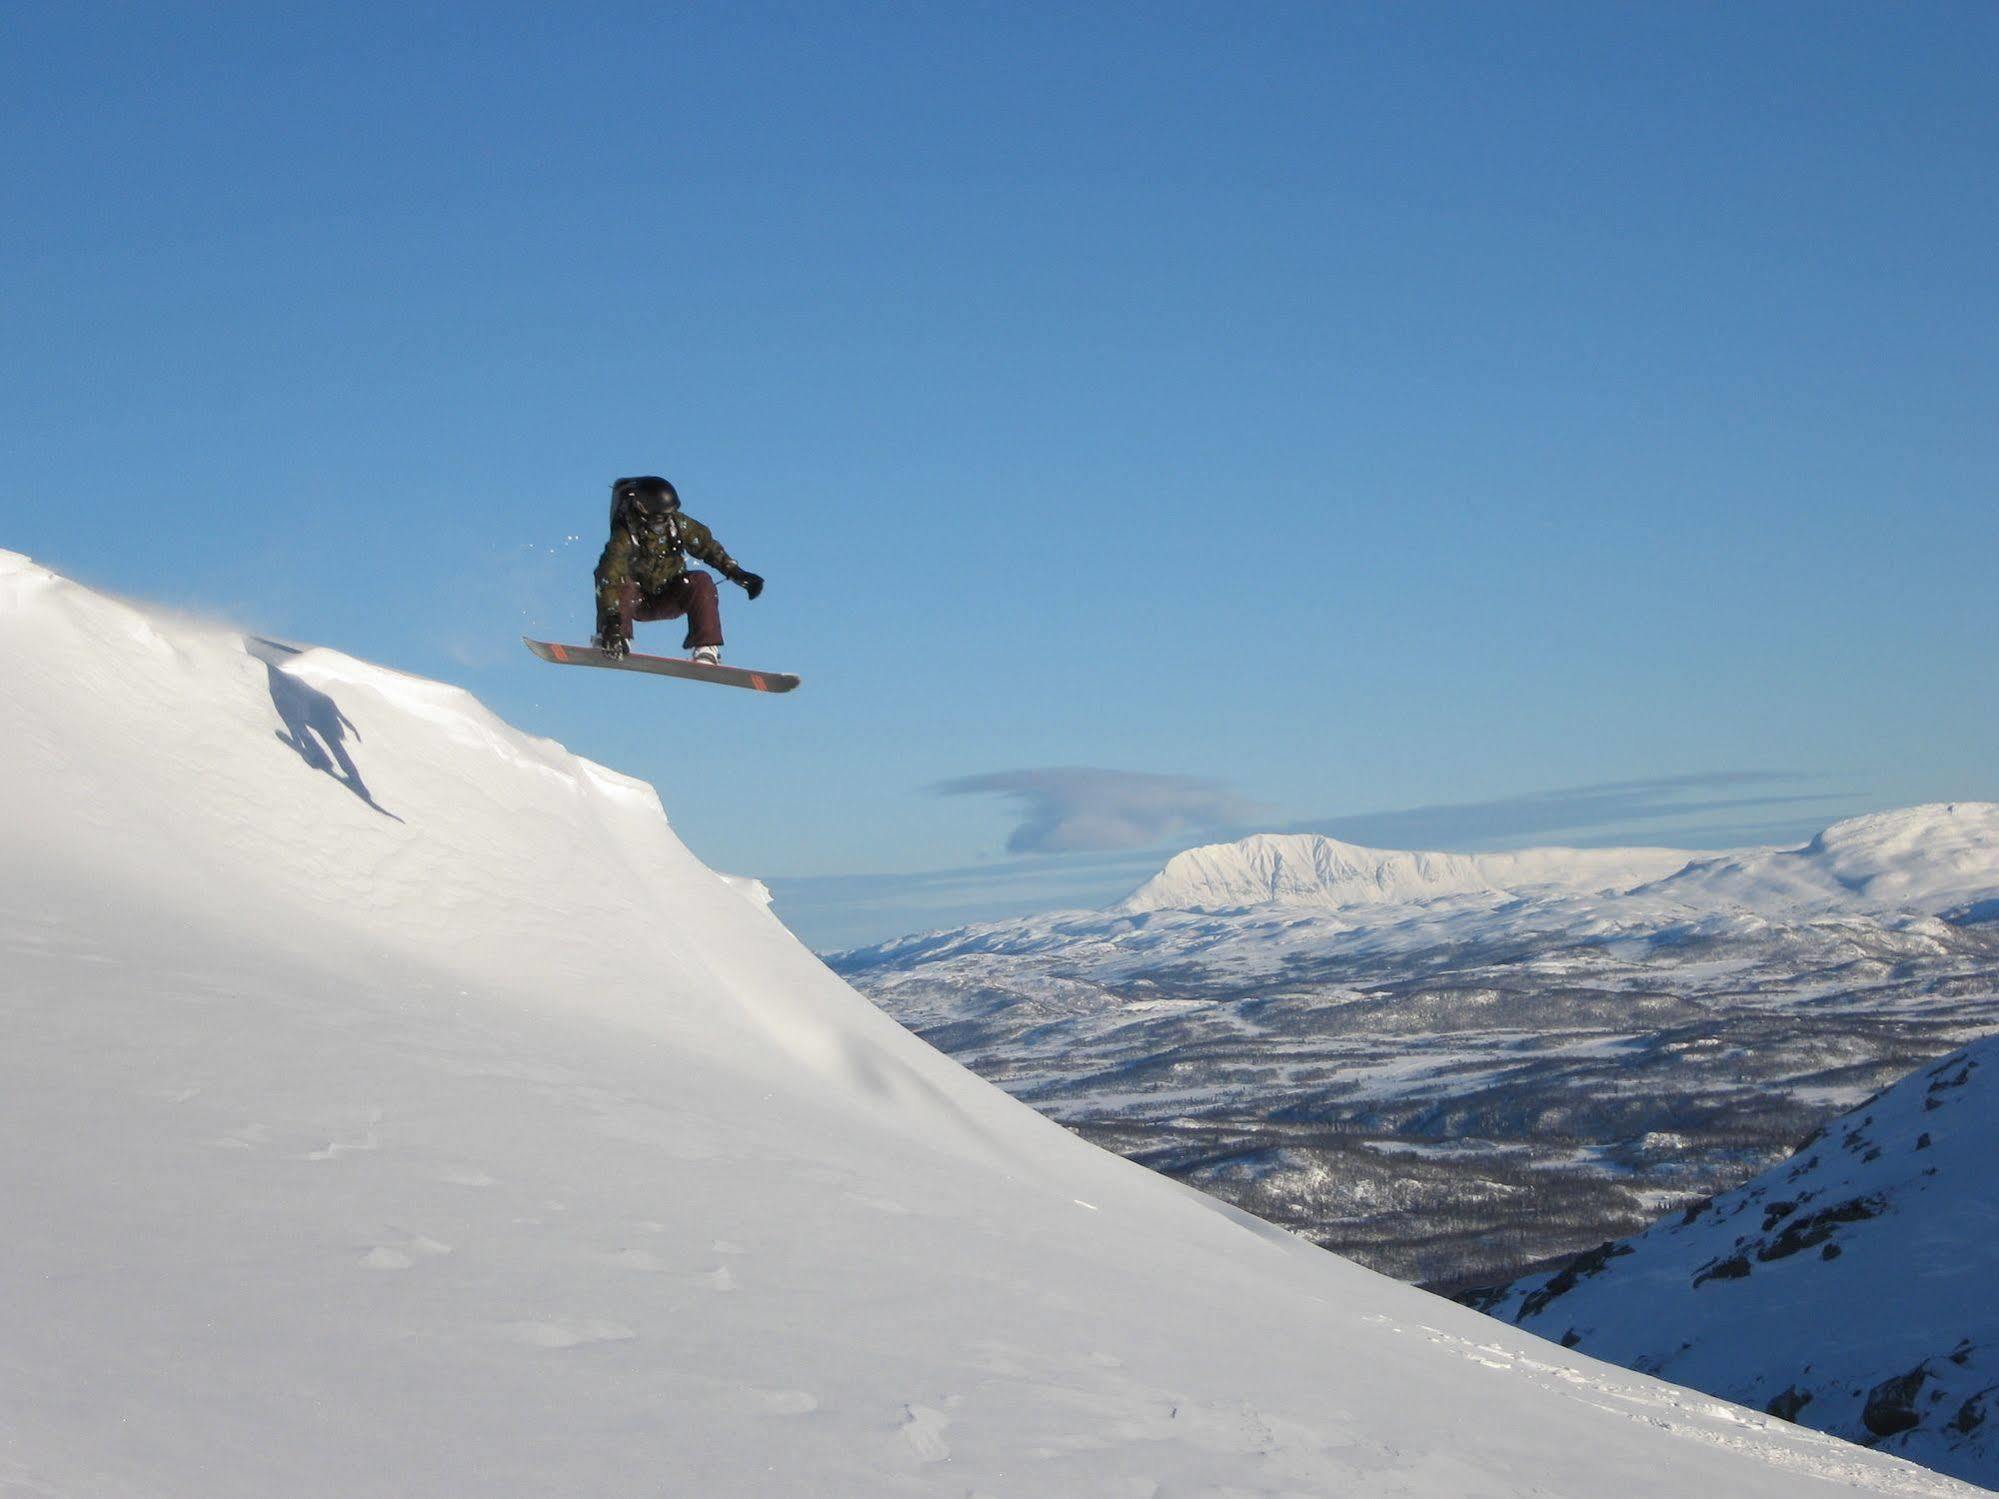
613 644
749 582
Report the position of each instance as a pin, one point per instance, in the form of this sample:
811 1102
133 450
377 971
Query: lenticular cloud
1075 809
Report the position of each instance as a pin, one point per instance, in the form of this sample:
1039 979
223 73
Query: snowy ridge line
1307 869
1936 861
1919 860
517 831
393 1105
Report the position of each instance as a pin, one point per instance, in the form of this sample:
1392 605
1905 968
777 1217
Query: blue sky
1154 421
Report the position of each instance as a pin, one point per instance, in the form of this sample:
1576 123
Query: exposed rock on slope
1852 1288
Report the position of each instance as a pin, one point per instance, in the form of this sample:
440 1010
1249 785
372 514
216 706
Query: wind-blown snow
393 1106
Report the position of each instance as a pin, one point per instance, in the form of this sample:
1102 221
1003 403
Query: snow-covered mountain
392 1106
1305 869
1940 860
1851 1288
1454 1066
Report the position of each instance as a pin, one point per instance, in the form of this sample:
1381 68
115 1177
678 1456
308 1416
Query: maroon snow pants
691 594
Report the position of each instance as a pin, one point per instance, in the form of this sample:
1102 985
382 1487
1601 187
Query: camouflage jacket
652 554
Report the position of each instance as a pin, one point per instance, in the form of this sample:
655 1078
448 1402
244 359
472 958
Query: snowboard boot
707 655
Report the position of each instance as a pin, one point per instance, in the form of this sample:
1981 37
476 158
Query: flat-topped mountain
1455 1065
1306 869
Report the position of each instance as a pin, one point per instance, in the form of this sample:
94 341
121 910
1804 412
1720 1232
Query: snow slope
392 1106
1305 869
1850 1288
1941 859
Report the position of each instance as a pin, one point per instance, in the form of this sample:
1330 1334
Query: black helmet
648 494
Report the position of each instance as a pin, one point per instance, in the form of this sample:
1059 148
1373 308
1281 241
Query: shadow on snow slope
507 1150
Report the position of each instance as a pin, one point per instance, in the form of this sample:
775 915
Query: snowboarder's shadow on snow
314 726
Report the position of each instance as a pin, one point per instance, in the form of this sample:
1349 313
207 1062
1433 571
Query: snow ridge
1939 859
393 1105
1936 859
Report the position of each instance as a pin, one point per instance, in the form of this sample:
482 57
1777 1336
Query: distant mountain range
1453 1066
1851 1288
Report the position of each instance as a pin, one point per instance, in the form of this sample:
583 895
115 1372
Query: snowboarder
644 575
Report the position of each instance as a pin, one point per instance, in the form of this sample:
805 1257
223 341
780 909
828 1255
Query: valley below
1454 1088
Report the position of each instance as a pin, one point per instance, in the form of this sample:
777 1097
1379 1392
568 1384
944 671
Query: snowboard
663 666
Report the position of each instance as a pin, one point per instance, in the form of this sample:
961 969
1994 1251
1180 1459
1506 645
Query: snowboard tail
663 666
